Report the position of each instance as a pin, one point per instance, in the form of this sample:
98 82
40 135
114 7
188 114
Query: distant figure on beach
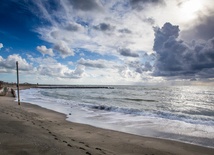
1 83
13 92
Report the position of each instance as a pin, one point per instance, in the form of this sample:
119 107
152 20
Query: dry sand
29 130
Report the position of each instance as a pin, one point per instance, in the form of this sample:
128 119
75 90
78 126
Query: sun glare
190 8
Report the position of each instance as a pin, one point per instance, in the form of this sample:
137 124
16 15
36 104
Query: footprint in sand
81 142
81 148
98 149
69 145
64 141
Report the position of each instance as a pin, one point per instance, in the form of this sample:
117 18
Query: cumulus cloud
78 72
60 71
94 63
1 45
127 52
44 50
63 48
140 67
9 64
177 58
52 68
126 72
163 34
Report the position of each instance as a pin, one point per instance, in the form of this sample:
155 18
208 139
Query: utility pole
17 70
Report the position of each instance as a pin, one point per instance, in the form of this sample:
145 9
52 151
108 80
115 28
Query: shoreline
78 115
52 129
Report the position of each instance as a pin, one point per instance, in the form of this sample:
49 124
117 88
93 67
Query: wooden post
17 70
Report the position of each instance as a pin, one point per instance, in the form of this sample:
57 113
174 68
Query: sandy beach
29 129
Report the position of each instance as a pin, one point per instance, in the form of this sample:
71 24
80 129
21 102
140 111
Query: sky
107 41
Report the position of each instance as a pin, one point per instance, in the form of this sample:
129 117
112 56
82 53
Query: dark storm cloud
163 34
177 58
104 27
127 52
85 5
202 30
141 4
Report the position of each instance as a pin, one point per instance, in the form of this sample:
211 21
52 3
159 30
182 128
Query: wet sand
29 129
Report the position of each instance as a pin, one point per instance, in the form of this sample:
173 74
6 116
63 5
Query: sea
180 113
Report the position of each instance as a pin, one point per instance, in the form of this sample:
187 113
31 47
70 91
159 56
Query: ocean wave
156 114
140 100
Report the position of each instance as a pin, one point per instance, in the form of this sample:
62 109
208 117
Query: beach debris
3 91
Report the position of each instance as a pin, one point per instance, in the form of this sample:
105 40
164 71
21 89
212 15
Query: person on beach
13 92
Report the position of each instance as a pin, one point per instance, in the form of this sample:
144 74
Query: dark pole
17 70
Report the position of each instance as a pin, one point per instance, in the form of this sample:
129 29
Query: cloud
1 45
125 30
78 28
60 71
163 34
9 63
149 20
89 5
93 63
141 4
180 59
78 72
202 29
104 27
127 73
42 49
127 52
52 68
140 67
63 49
71 26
